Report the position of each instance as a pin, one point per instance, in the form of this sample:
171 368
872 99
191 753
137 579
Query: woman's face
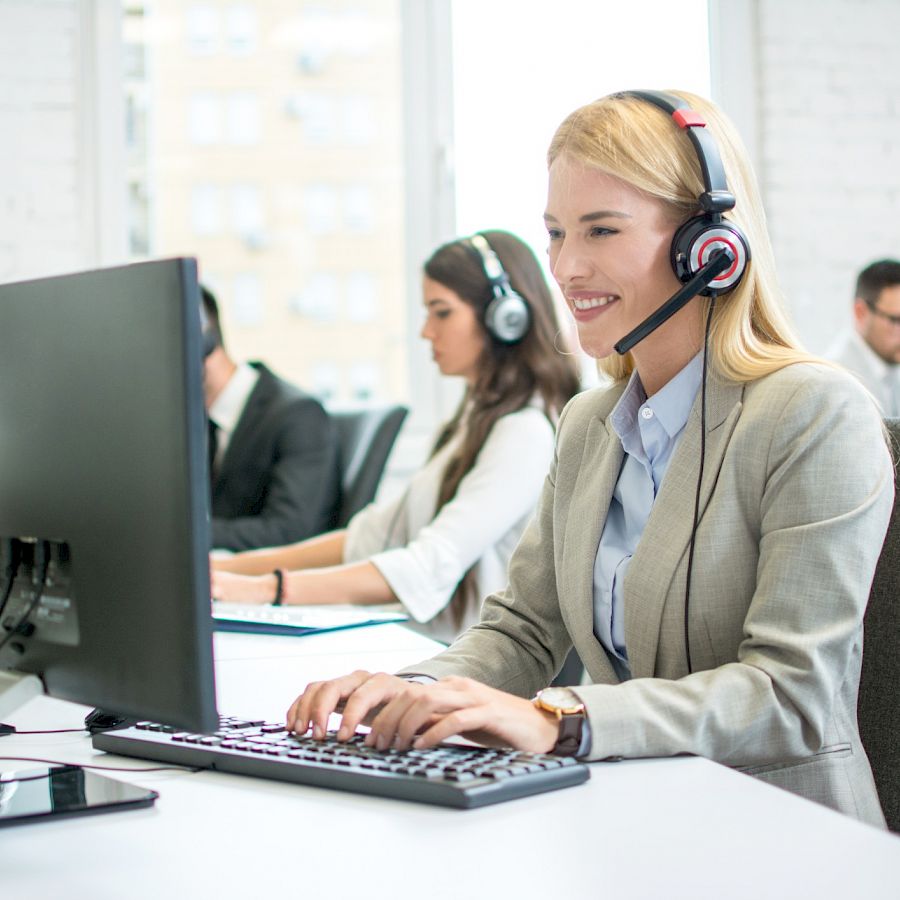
456 335
609 253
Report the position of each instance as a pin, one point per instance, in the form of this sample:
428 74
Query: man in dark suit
274 476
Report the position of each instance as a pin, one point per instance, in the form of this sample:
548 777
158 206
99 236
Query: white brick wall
828 121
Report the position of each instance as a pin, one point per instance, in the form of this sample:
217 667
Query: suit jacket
279 480
796 494
862 361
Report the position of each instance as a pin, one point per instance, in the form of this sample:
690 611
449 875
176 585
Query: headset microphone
720 260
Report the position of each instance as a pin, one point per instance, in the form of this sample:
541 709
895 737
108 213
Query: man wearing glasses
872 350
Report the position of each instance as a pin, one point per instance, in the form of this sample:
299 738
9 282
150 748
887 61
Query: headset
508 316
209 337
709 254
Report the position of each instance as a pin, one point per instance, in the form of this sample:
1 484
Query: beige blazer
796 494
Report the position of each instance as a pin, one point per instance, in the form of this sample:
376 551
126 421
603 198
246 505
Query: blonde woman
709 530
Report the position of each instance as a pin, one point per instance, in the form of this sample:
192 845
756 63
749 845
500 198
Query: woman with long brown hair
445 543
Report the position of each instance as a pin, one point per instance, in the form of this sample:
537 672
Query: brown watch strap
569 740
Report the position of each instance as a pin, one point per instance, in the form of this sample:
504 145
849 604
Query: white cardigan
423 557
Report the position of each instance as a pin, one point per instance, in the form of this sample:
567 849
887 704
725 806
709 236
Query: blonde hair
638 143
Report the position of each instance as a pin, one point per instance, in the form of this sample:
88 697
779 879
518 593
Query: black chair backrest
365 438
879 688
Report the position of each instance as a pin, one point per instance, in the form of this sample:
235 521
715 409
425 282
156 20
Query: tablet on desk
300 620
37 795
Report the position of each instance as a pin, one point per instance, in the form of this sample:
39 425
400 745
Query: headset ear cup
507 318
695 242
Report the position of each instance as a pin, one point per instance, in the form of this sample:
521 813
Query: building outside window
262 134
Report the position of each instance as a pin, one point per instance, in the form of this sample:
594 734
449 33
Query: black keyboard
447 775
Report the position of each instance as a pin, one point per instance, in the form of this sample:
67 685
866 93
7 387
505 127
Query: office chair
365 438
878 710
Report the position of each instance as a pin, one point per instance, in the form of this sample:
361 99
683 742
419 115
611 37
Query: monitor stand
17 688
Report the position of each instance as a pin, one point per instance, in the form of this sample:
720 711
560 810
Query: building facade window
241 28
202 29
204 118
243 118
206 209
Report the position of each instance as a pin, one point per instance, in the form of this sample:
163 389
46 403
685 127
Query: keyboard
446 775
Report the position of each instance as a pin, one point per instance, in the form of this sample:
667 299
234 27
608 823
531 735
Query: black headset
698 238
209 334
508 316
709 254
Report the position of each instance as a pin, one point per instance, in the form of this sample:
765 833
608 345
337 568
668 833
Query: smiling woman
609 253
707 534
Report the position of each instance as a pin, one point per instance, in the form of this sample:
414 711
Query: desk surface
665 828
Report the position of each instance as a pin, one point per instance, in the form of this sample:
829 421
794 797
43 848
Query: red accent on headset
729 245
686 118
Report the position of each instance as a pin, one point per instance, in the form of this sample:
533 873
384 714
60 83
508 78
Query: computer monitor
103 493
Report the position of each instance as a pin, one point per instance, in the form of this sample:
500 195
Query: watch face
561 698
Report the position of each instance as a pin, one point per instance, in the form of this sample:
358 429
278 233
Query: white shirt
423 557
880 378
227 409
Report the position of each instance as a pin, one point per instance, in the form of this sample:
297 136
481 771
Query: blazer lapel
668 531
598 472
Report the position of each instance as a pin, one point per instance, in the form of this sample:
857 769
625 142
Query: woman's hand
360 694
231 588
465 707
408 714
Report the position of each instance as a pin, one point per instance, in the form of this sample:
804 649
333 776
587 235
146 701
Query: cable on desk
56 762
4 733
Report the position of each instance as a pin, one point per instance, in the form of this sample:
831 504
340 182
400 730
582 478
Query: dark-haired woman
446 542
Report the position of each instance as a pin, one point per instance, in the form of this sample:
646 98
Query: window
364 382
247 306
362 297
325 381
204 118
206 209
272 145
240 30
243 117
320 208
319 299
359 211
246 210
358 122
316 114
202 30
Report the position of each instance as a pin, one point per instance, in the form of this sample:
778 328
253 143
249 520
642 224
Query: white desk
675 828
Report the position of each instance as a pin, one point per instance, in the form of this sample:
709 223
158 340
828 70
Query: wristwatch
569 710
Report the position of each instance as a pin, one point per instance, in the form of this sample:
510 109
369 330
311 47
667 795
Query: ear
861 314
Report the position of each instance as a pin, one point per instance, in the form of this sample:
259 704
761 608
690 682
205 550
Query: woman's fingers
319 700
368 698
408 714
467 720
399 722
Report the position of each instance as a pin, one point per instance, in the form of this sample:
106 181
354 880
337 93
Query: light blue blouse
650 430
